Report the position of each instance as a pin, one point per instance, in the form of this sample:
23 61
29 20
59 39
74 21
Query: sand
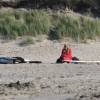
50 81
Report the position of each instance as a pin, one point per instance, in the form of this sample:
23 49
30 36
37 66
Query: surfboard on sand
84 61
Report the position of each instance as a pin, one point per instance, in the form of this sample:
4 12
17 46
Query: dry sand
49 81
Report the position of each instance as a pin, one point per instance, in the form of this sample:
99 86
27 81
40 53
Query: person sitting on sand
66 55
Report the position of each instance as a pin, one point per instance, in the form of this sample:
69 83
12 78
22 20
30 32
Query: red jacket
67 55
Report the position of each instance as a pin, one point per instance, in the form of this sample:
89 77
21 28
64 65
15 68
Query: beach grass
14 23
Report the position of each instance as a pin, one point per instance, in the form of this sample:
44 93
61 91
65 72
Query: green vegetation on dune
14 23
76 27
81 6
18 23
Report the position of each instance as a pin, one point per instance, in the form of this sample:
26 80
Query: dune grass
14 23
19 23
76 27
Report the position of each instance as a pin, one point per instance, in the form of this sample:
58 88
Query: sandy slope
80 81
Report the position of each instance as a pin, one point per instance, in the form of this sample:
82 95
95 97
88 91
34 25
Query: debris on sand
18 85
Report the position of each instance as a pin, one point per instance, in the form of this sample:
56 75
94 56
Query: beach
50 81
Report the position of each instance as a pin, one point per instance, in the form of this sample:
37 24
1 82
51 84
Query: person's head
66 46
